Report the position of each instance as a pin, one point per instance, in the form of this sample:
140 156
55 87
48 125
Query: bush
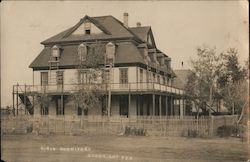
29 128
135 131
192 133
226 131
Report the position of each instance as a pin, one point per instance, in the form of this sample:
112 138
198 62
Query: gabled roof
181 78
111 27
143 32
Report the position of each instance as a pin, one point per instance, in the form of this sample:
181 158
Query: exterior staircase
26 101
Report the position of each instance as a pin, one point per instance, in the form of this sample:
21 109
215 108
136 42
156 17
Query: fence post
212 126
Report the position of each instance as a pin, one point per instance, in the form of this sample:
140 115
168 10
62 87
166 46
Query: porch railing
115 87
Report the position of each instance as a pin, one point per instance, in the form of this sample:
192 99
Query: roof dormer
55 53
82 52
110 53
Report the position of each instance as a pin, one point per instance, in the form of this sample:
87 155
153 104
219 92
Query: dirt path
116 148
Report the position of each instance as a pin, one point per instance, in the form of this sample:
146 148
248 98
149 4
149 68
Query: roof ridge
101 16
126 28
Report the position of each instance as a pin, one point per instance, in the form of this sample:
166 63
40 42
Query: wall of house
69 76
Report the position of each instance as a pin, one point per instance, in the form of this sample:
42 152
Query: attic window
87 27
87 31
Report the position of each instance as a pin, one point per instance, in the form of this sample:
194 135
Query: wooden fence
152 125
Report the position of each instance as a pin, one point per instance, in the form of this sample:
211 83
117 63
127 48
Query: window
87 31
141 75
124 76
44 78
59 77
154 79
158 79
163 80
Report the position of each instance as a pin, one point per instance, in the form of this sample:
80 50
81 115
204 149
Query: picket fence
203 126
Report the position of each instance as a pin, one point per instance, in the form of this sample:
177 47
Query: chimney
125 19
138 24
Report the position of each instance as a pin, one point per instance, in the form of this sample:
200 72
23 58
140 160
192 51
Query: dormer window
87 27
110 52
82 52
55 53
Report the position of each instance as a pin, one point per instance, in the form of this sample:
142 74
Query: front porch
140 99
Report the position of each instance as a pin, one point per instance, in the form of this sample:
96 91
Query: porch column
62 108
17 100
153 98
129 104
13 100
181 108
172 105
160 112
166 106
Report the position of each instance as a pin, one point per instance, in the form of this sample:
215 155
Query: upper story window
123 75
87 27
158 79
44 78
163 80
55 53
141 75
154 79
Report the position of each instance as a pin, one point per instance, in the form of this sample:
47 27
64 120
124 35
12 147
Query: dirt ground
30 148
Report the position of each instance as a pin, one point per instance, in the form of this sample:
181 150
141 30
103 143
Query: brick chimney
138 24
125 19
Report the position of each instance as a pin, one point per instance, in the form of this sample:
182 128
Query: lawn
119 148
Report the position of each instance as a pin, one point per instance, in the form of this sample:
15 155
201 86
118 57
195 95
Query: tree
90 76
217 78
232 82
201 85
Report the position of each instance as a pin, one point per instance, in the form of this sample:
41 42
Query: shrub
226 131
135 131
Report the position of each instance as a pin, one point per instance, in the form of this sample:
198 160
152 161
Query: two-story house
140 77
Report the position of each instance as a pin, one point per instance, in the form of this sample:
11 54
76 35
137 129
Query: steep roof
141 32
111 27
181 78
126 52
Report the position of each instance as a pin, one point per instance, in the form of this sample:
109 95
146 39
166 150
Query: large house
138 76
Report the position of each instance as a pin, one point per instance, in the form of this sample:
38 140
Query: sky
179 28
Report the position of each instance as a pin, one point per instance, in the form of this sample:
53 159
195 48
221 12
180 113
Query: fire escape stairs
26 101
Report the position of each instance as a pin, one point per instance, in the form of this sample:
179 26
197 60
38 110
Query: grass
120 148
